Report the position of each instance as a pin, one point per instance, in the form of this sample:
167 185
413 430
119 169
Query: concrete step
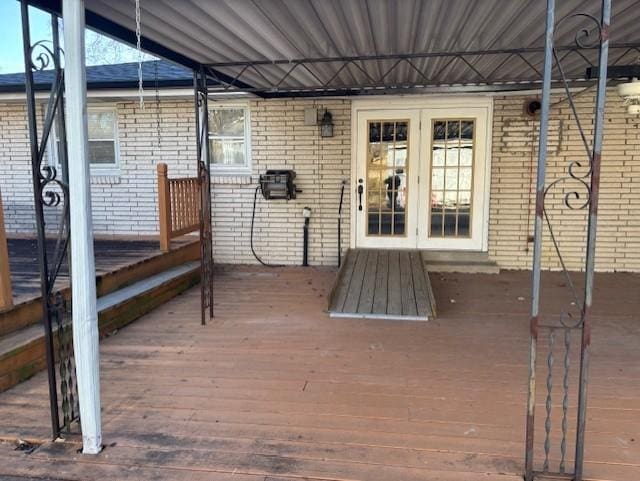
469 262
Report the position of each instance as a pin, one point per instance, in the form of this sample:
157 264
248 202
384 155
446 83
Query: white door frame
425 102
408 240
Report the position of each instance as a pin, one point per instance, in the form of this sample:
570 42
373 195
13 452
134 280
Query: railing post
6 294
164 208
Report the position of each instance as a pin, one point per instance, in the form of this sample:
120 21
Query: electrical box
310 116
278 184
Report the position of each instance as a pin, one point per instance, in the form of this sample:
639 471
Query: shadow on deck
275 389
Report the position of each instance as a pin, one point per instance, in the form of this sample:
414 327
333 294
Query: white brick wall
281 140
513 177
126 204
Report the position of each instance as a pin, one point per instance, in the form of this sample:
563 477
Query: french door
388 161
420 178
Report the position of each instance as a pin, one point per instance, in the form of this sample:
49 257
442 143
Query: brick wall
126 204
513 173
280 140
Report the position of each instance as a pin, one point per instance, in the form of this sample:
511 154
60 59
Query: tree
101 50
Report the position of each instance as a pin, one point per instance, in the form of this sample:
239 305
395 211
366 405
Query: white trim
227 171
426 102
133 94
97 170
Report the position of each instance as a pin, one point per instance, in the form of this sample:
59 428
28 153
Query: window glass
101 128
451 177
387 159
227 137
102 152
101 124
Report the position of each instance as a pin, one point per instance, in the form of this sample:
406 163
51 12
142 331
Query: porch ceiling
355 45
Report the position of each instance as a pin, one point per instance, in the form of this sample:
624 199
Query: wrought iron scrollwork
51 195
578 188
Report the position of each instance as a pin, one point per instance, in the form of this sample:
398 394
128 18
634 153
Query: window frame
219 169
100 170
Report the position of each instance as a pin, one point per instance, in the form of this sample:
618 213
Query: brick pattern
126 204
280 140
513 174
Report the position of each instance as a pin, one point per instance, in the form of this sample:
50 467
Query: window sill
230 177
105 176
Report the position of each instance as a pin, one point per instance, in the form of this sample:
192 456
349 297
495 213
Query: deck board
274 389
394 297
365 306
407 288
110 253
355 286
382 283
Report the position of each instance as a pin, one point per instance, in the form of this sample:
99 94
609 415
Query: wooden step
22 352
29 311
468 262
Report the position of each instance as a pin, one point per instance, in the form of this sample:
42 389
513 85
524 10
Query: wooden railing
179 206
6 294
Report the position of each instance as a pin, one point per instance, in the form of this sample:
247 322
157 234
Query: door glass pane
452 154
387 163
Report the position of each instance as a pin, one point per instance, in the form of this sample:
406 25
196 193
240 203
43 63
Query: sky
11 56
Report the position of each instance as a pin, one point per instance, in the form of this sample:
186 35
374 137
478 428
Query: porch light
326 125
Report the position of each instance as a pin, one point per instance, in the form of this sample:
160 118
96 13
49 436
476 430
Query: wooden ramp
382 284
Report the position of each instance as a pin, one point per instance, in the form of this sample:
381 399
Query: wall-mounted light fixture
630 92
326 125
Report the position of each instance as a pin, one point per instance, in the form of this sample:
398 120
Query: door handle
360 191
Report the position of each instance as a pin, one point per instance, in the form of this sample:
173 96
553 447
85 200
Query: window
103 140
102 137
451 177
229 139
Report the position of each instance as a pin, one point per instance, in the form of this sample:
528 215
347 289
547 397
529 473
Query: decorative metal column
51 193
573 321
204 174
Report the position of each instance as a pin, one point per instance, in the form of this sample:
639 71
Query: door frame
405 241
406 102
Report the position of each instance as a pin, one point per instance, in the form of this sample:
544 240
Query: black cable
340 224
253 217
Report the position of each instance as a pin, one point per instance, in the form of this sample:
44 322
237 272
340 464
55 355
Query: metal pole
340 223
83 275
591 234
305 243
537 243
207 155
42 248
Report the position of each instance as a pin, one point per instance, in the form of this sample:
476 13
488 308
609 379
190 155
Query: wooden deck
276 390
382 284
110 254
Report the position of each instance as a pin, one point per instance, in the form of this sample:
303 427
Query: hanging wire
157 86
139 47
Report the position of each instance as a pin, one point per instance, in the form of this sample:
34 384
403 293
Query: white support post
83 272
